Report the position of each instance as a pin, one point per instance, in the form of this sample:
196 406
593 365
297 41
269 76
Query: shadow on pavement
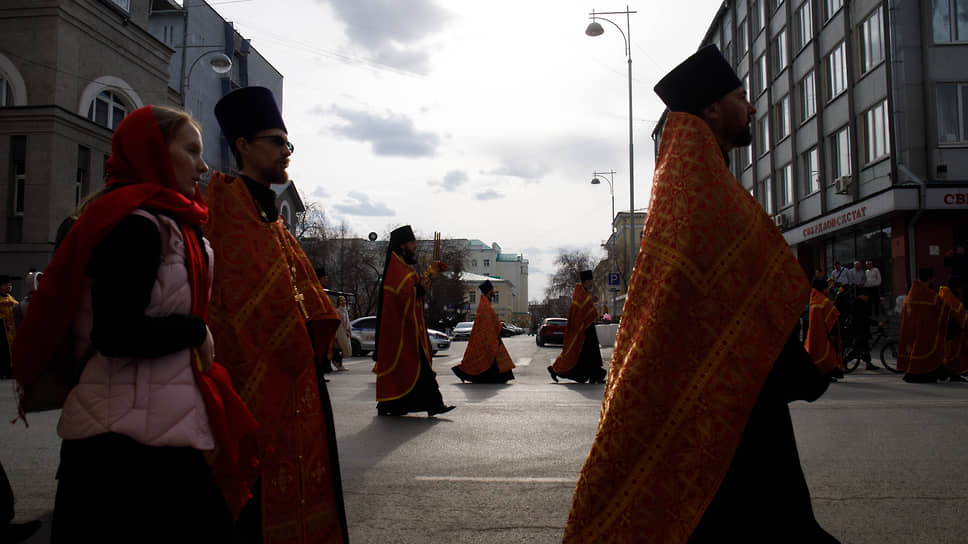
593 391
382 437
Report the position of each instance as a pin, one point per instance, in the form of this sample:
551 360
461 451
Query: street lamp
611 191
219 62
595 29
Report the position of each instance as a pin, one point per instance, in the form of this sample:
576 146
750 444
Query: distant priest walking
580 359
486 359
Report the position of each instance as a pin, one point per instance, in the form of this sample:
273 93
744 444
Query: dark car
552 330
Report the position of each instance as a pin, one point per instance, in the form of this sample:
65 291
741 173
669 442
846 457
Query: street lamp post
611 191
219 62
595 29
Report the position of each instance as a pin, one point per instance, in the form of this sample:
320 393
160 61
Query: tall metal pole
632 240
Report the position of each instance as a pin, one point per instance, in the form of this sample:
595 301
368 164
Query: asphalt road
885 460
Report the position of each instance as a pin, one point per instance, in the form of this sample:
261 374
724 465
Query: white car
363 336
438 341
463 330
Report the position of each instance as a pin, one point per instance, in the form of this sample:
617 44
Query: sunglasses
279 141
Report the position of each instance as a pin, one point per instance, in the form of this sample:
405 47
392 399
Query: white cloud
360 204
390 135
489 194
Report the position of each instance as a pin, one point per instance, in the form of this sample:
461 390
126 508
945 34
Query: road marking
523 361
497 479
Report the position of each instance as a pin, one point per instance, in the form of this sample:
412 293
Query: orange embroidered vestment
403 333
264 293
484 345
700 331
955 350
823 318
581 315
924 321
7 303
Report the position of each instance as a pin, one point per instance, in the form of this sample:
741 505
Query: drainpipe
922 197
184 57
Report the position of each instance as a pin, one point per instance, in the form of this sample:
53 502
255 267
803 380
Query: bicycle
852 357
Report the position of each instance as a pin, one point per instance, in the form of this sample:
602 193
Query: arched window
108 109
6 92
286 212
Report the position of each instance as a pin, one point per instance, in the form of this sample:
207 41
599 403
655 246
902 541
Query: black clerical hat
698 81
585 275
401 235
819 284
244 112
486 287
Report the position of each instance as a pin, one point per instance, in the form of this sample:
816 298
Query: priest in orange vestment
695 442
405 381
580 358
823 333
955 349
921 341
264 299
486 359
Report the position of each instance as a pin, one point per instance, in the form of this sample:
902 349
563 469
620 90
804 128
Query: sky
478 119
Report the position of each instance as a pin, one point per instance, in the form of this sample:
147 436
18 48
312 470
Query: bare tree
569 264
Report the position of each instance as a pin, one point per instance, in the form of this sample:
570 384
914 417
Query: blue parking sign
613 279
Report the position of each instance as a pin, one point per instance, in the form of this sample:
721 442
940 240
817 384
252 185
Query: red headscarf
140 176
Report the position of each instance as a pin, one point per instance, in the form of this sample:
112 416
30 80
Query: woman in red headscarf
126 298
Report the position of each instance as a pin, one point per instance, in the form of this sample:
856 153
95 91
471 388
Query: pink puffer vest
154 401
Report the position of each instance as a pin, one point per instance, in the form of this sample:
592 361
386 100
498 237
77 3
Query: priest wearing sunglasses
271 316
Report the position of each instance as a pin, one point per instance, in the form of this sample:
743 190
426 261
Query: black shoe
458 372
920 378
18 532
385 412
553 375
957 378
442 409
836 373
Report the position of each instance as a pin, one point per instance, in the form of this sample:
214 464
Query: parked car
363 335
463 330
438 341
552 330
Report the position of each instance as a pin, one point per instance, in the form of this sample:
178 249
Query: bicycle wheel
851 360
889 356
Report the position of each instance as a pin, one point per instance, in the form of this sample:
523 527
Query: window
744 157
472 297
782 118
763 134
766 195
487 263
808 96
780 58
836 71
496 299
83 176
742 41
871 38
6 92
803 25
18 165
761 74
746 84
830 8
123 4
473 262
107 110
876 132
759 15
952 113
785 185
777 4
949 18
810 164
840 154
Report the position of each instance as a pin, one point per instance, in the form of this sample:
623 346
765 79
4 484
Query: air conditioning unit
780 220
842 184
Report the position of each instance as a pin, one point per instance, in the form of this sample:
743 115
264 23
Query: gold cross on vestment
299 297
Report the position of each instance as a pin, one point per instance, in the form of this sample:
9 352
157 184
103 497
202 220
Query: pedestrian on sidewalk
695 442
125 298
343 333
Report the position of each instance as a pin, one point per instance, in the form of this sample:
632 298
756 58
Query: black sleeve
420 290
123 269
794 375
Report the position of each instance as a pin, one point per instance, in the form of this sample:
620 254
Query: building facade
70 70
627 231
490 261
860 147
502 301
